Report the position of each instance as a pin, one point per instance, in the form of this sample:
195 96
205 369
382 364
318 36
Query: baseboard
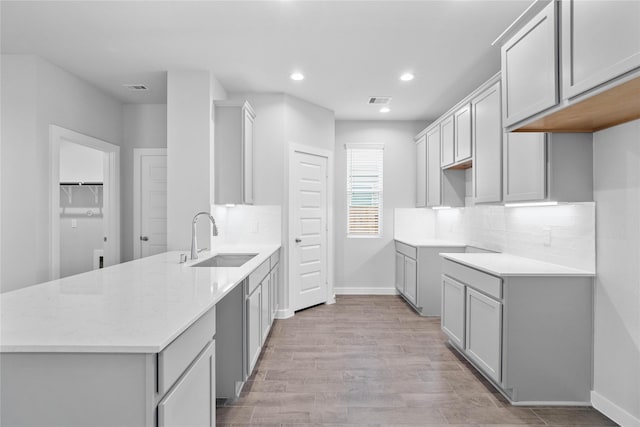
365 291
613 411
284 314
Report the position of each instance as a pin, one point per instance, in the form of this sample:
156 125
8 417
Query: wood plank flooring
370 360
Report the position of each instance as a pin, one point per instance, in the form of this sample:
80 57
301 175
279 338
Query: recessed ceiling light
406 77
385 109
297 76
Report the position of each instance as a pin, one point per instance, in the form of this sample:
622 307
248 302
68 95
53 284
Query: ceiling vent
136 87
379 100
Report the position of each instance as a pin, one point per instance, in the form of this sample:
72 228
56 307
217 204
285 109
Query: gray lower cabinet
548 166
275 287
192 401
484 335
411 279
254 330
531 336
453 314
261 298
265 308
399 272
406 272
247 313
600 42
417 275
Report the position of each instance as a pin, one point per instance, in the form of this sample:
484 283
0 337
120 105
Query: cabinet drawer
256 277
192 401
407 250
275 258
490 285
177 356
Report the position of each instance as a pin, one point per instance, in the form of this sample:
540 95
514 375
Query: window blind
364 191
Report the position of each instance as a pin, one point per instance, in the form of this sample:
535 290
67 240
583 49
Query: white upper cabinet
462 121
448 142
433 167
487 141
530 69
600 41
421 172
233 152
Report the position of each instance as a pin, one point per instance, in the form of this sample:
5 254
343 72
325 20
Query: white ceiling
348 50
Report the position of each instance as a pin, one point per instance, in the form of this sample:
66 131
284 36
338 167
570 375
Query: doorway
85 198
310 225
149 201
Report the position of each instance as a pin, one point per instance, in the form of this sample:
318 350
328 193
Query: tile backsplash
563 234
245 224
413 223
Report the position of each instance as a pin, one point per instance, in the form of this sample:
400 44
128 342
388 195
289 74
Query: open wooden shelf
464 165
617 105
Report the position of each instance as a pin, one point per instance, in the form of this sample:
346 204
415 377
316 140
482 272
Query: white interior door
152 237
310 245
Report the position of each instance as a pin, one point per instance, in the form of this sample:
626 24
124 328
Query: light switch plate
74 223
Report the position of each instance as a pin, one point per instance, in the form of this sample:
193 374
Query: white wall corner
613 411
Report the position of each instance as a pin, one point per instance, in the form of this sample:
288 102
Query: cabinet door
484 333
525 167
411 280
254 331
487 139
192 401
265 323
452 317
421 172
530 68
275 280
400 272
600 41
247 158
463 133
434 172
448 142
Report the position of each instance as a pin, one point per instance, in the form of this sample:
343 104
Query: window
364 190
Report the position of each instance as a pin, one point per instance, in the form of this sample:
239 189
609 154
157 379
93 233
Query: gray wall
144 126
617 303
367 265
35 94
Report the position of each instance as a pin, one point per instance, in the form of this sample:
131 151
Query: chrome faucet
194 244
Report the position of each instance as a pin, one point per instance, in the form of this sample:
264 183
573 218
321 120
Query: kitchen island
131 344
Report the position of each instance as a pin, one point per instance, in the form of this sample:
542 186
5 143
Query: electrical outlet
254 226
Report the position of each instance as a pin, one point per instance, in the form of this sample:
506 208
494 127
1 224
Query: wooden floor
370 360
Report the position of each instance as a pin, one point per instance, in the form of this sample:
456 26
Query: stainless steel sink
225 260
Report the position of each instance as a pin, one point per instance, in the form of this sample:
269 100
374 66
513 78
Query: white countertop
134 307
511 265
418 242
